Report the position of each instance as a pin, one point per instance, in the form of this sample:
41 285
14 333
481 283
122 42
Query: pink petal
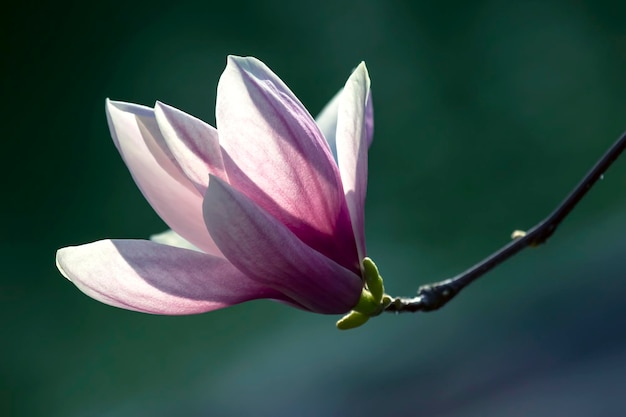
152 278
275 154
137 137
193 143
354 134
265 250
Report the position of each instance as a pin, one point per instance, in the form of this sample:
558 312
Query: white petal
171 238
354 128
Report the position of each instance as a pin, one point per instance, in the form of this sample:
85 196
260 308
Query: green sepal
351 320
372 301
367 303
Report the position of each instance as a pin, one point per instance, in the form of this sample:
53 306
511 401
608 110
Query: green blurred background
487 114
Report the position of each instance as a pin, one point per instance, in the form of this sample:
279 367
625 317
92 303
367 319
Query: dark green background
487 113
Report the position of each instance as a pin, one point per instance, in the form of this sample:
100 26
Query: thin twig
434 296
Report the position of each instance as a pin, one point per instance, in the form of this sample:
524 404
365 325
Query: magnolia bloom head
268 205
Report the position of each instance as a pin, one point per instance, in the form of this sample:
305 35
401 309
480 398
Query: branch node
517 234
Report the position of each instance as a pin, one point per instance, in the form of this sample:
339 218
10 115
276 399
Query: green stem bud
373 279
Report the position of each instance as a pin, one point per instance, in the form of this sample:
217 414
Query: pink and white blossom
270 204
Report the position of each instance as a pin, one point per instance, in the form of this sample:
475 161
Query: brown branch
434 296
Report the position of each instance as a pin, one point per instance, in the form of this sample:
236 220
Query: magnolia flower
268 205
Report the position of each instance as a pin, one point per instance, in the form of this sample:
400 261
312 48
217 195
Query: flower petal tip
59 261
360 75
58 264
